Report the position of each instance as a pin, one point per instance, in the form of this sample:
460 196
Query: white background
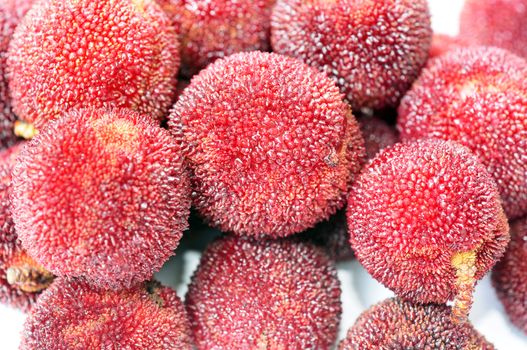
359 291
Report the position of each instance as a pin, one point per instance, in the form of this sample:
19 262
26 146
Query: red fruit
74 315
377 135
498 23
476 97
21 278
82 53
267 294
442 44
103 195
11 12
271 144
218 28
374 50
425 220
396 324
510 276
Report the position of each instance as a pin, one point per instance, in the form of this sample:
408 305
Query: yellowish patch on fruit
25 130
465 265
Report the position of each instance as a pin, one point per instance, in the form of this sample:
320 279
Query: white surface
359 291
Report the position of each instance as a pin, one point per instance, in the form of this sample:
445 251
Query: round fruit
425 220
374 50
70 54
267 294
102 195
74 315
270 142
476 97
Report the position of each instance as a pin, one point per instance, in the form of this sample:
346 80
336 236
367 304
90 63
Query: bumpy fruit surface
476 97
212 29
270 142
498 23
510 276
70 54
374 50
102 195
396 324
74 315
266 294
21 278
425 220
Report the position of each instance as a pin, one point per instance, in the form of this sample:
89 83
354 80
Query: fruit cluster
360 135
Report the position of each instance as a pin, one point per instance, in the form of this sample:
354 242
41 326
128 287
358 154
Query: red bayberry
425 220
11 12
80 53
374 50
396 324
476 97
21 278
271 144
103 195
510 276
74 315
249 294
498 23
218 28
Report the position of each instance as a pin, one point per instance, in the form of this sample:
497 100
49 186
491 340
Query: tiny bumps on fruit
397 324
425 219
499 23
271 144
264 294
80 53
101 195
21 277
476 97
74 315
509 277
218 28
374 50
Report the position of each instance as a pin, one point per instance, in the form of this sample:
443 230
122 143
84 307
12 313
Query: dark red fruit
396 324
377 135
510 276
11 12
498 23
442 44
374 50
21 278
70 54
425 220
476 97
218 28
267 294
74 315
102 195
271 144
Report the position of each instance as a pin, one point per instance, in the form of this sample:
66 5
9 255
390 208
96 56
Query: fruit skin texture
102 195
396 324
442 43
270 142
498 23
11 12
476 96
509 277
264 294
12 255
75 315
218 28
415 208
374 50
81 53
377 135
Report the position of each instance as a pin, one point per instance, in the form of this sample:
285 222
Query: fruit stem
29 278
465 265
25 130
